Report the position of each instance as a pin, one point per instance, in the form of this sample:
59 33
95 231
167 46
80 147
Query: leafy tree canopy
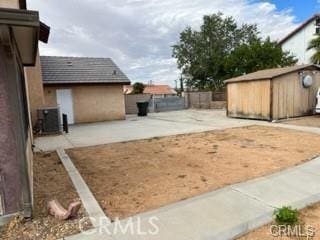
221 49
315 44
138 88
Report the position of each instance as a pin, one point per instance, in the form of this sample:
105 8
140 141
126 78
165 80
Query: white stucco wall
9 3
299 42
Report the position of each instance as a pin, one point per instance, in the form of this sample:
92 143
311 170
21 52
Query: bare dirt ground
50 181
309 216
133 177
310 121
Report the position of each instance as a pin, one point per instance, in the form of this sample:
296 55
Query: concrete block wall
205 100
131 102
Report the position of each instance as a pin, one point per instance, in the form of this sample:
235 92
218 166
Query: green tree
204 56
258 54
138 88
315 44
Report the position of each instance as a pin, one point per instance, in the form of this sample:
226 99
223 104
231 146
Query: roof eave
283 40
24 26
245 80
274 76
44 32
81 82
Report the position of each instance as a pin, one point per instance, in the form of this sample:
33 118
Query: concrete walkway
225 213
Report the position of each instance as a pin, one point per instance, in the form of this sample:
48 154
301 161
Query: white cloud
138 34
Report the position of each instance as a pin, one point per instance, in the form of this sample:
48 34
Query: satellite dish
307 81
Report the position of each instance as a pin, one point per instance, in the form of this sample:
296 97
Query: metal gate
167 104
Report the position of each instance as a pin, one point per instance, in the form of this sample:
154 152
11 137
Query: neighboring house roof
152 89
77 70
299 28
159 89
270 73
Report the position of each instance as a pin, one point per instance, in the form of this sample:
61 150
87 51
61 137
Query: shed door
64 101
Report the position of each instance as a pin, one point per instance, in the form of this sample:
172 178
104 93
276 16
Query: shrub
286 216
138 88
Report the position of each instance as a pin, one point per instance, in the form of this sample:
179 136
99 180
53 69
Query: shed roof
270 73
78 70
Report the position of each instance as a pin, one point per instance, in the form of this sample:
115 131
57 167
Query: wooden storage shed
274 93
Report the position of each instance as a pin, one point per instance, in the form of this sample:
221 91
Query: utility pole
181 83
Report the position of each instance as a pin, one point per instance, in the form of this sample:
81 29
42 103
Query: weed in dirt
203 179
212 152
286 216
182 176
45 155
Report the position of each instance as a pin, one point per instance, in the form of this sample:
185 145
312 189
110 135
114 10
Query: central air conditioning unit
49 120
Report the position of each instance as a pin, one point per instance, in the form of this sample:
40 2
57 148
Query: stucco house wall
9 4
91 103
298 43
35 87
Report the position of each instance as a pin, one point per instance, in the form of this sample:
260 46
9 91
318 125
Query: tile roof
69 70
159 89
270 73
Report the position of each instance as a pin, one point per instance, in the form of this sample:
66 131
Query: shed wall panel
249 99
290 98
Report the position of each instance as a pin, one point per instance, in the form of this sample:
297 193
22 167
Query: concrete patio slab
133 128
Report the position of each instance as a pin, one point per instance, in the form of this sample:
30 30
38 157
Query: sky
138 34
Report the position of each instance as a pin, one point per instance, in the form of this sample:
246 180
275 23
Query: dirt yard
310 121
133 177
50 181
308 217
